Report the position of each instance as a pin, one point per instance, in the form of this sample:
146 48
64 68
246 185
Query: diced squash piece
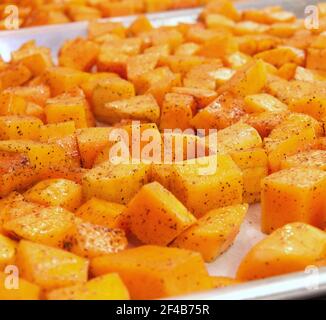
250 79
244 28
91 142
109 90
289 249
36 59
56 192
115 182
81 13
139 25
203 97
181 64
11 104
157 82
90 240
35 110
221 113
316 59
307 159
56 130
20 128
218 21
69 108
151 272
203 187
223 7
51 226
25 291
49 267
237 60
97 28
140 64
222 282
14 75
61 79
187 49
281 55
304 74
78 54
213 233
143 108
101 212
7 251
297 194
177 111
301 96
106 287
156 216
263 102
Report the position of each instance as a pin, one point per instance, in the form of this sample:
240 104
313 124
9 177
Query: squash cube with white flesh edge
156 216
50 268
297 194
115 182
213 233
7 251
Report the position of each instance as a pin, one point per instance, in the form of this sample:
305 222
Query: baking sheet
289 286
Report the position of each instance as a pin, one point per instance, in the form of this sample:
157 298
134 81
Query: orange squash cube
140 64
152 272
156 216
50 268
8 249
106 287
14 75
56 192
289 249
101 212
263 102
306 159
11 104
56 130
213 233
296 194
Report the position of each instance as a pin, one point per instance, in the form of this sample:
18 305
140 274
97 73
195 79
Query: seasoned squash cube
151 272
56 130
143 108
14 75
90 240
115 182
78 54
217 183
25 291
263 102
139 25
101 212
52 226
181 64
156 216
97 28
214 232
316 58
11 104
49 267
20 128
106 287
56 192
289 249
297 194
110 90
7 252
36 59
177 111
307 159
61 79
69 108
250 79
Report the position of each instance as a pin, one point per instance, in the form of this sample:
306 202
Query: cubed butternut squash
50 268
106 287
56 192
296 194
101 212
306 159
90 240
263 102
11 104
213 233
14 75
289 249
56 130
115 182
52 226
156 216
8 249
151 272
25 290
